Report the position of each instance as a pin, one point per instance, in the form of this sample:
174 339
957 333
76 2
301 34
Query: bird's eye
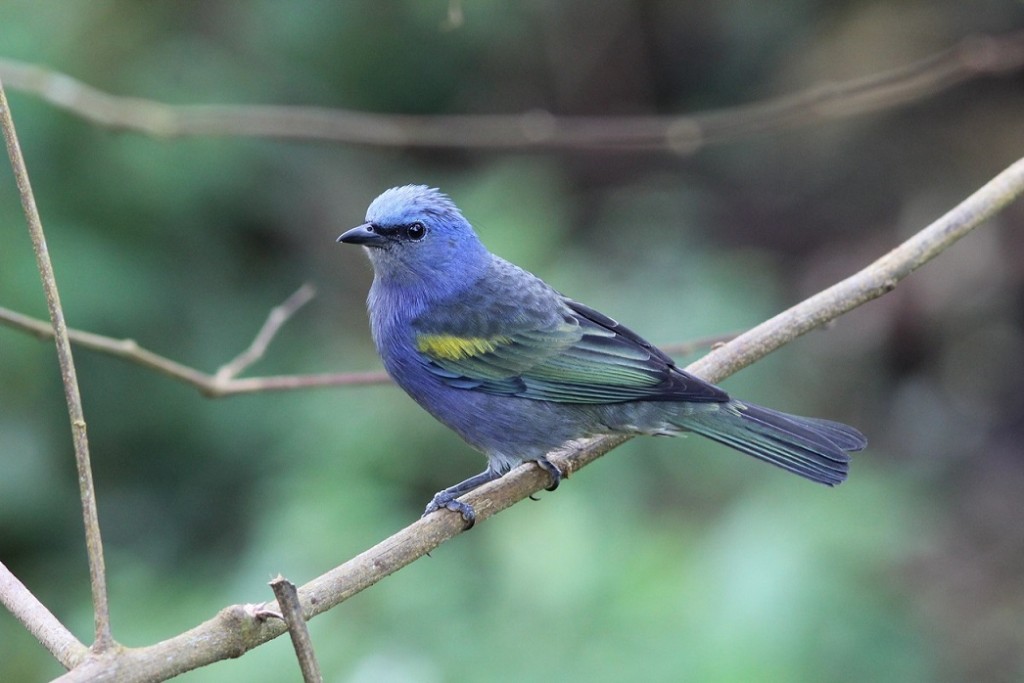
416 231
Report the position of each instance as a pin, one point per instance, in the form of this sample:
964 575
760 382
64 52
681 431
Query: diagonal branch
537 130
39 620
93 542
234 630
275 321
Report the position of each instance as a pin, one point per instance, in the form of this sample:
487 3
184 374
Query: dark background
670 559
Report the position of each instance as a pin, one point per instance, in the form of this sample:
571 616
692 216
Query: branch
234 630
93 542
291 612
223 382
275 321
39 621
216 385
536 130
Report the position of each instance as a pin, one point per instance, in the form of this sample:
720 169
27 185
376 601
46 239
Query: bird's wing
549 348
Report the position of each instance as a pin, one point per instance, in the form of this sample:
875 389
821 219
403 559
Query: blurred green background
669 559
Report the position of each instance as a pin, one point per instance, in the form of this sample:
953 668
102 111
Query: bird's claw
443 500
448 499
552 469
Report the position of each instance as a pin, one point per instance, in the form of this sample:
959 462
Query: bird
517 369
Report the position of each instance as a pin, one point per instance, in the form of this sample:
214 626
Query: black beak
364 234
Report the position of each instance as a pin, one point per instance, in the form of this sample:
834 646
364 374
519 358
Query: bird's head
416 235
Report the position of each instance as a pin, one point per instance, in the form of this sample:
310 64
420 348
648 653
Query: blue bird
517 369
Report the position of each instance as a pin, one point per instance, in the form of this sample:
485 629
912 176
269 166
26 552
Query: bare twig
127 349
223 383
234 630
39 621
880 277
537 130
209 385
93 542
277 318
694 345
291 612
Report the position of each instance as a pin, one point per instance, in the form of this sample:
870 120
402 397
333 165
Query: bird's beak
365 235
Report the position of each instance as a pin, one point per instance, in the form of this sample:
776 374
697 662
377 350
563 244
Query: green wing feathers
578 357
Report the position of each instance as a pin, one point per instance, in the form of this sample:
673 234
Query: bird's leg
447 499
552 469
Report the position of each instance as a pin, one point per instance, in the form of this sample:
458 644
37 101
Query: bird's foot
552 469
446 500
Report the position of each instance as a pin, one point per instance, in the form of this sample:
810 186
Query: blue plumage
517 369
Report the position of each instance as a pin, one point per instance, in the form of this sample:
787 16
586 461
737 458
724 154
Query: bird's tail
816 449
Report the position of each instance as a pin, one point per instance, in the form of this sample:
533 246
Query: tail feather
816 449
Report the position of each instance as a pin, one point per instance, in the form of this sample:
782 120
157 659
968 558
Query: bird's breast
391 324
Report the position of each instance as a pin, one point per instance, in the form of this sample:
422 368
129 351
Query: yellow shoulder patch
450 347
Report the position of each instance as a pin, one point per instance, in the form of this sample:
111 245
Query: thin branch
537 130
207 384
39 621
877 279
694 345
291 612
223 383
234 630
93 542
254 385
275 321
